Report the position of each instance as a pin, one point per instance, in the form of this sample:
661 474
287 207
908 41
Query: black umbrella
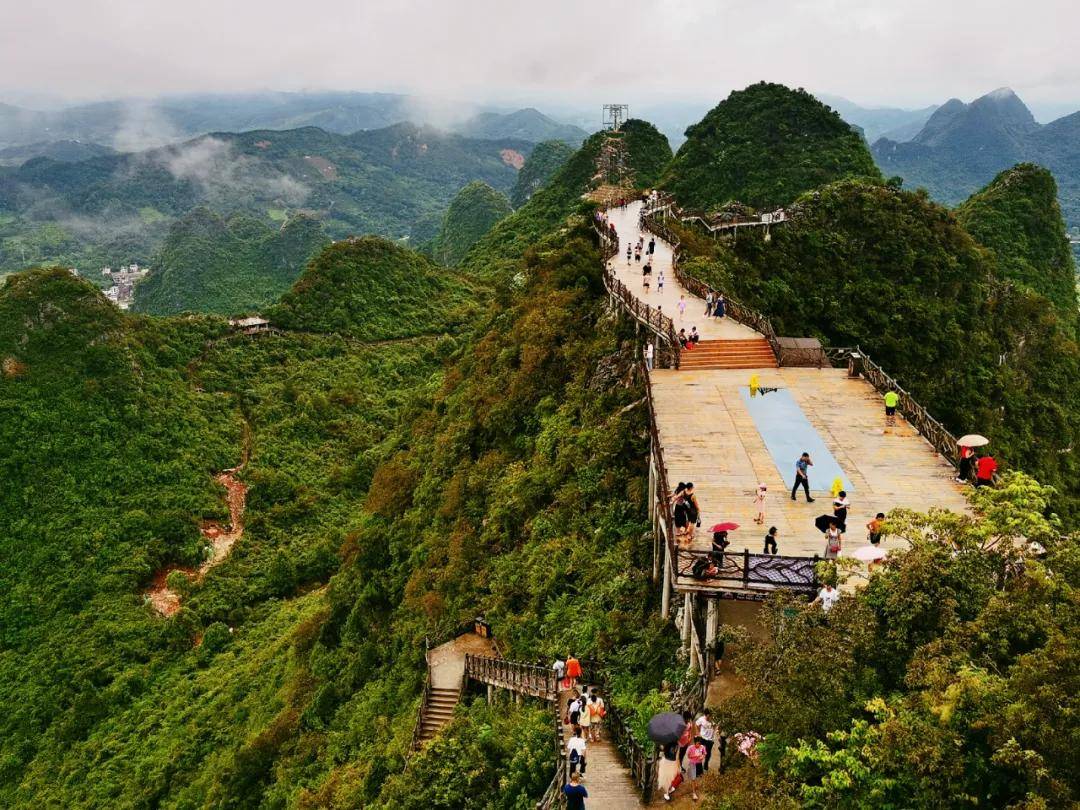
823 522
666 728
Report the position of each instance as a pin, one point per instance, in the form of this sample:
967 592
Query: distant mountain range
132 124
963 146
116 208
880 122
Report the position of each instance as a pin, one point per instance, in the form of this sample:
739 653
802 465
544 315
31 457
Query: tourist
840 506
759 504
683 340
802 476
575 752
585 715
660 282
770 541
681 513
687 738
695 759
694 337
597 710
667 775
705 568
645 283
827 597
629 252
575 793
559 668
682 306
985 468
693 513
718 665
573 670
720 543
652 246
708 303
834 540
707 734
649 353
637 253
892 399
967 461
873 529
573 709
720 307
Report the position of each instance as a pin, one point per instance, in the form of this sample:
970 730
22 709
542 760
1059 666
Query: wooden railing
761 571
640 759
667 350
554 797
525 679
940 438
421 711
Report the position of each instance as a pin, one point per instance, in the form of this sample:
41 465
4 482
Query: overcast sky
905 52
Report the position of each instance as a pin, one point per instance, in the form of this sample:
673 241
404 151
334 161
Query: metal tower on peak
615 115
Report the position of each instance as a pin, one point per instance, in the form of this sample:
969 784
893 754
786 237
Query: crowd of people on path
689 759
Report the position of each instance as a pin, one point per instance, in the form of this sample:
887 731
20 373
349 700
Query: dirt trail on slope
167 601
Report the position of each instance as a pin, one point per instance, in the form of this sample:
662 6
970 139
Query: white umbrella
869 553
972 440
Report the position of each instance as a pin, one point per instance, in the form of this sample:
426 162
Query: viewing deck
713 433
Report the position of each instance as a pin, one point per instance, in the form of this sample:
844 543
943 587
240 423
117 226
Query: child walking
759 503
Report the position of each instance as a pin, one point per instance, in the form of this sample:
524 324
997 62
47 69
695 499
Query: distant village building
124 279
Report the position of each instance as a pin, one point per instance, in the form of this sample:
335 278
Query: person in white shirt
649 350
559 668
575 752
827 597
707 731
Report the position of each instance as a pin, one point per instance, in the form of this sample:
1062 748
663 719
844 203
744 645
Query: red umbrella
724 527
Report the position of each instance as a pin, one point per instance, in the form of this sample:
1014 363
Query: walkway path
606 776
709 436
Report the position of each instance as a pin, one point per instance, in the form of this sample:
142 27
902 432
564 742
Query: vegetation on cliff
1017 216
546 159
472 213
226 266
373 289
764 146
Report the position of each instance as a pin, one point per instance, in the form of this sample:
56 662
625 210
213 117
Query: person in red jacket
985 468
573 670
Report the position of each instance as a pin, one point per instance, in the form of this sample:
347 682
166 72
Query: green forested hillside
764 146
497 254
372 289
116 209
547 158
472 213
868 265
213 265
1017 216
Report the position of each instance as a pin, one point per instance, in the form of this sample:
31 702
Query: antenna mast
615 115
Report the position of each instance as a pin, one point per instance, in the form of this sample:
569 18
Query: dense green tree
764 146
1017 216
472 213
546 159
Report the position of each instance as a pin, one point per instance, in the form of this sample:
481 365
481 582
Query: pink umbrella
869 553
724 527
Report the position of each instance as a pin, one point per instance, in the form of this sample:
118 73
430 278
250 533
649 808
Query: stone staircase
743 353
438 709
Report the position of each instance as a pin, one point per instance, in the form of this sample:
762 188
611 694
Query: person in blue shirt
575 792
802 476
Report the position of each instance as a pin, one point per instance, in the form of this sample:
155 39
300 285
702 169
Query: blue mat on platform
787 433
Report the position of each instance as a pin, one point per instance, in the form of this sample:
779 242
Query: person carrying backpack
597 710
575 753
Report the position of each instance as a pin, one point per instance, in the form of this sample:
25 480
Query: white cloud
913 52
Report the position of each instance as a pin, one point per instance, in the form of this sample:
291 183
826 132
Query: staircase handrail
421 711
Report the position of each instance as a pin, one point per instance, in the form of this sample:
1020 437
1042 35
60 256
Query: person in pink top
695 760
